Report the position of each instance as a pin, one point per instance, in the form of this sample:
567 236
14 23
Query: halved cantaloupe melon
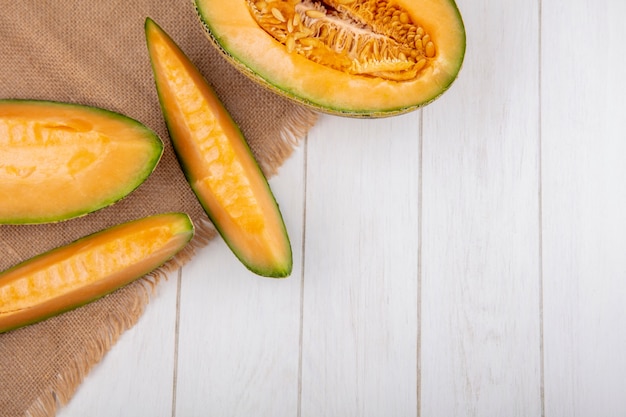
217 161
61 160
361 58
89 268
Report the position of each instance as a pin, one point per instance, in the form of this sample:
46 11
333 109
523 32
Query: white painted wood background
468 259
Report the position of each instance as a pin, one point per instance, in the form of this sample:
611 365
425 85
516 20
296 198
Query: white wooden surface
468 259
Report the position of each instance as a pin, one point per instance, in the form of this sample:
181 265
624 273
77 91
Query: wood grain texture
239 333
481 344
359 349
584 206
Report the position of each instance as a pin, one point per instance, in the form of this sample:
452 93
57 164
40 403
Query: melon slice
218 162
89 268
60 160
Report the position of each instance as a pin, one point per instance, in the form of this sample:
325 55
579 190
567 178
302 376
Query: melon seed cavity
375 38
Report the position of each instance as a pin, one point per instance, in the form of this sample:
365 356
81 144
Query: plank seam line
540 209
176 341
419 263
302 263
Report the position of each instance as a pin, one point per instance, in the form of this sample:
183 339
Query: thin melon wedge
217 161
89 268
60 160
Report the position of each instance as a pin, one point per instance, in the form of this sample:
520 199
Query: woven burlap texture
94 53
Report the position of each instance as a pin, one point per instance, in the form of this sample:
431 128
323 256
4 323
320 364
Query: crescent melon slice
218 162
61 160
89 268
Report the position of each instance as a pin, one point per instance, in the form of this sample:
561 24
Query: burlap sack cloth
94 53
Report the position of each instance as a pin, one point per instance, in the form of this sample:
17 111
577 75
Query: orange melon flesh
89 268
218 162
61 160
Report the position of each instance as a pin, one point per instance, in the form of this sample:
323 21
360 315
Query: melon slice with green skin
218 162
60 160
358 58
89 268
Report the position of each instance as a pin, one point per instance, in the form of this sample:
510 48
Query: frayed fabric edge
297 125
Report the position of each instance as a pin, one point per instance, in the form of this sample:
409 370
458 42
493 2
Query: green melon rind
131 186
188 228
278 271
254 75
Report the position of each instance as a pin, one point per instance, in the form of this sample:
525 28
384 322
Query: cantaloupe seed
72 272
278 15
430 49
315 14
226 178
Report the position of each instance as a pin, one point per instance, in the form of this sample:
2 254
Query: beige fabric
94 53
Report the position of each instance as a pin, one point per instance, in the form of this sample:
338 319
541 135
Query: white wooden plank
584 207
481 344
135 378
239 333
359 350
